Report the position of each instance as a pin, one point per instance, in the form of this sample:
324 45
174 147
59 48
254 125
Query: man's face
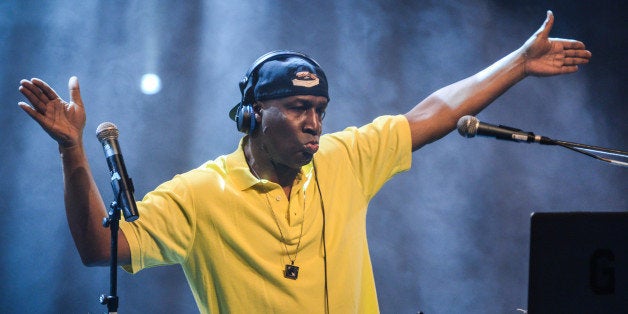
291 128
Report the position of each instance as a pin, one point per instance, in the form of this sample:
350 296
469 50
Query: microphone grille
107 130
468 126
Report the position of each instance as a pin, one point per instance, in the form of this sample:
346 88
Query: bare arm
84 206
540 55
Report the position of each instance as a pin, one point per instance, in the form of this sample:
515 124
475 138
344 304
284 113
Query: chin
304 159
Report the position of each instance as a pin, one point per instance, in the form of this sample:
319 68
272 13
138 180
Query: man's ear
257 110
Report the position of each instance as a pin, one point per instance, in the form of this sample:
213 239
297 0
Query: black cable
320 194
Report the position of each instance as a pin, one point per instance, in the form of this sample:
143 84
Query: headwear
281 74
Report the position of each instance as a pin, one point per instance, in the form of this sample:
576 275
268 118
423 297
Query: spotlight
151 84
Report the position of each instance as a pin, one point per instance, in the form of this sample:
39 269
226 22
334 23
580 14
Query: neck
263 167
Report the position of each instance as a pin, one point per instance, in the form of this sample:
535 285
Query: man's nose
313 121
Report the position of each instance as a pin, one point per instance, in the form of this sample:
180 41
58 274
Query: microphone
122 185
469 126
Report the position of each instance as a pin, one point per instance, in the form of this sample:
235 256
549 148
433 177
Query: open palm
63 121
547 56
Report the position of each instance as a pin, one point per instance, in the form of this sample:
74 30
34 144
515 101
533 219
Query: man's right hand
63 121
85 209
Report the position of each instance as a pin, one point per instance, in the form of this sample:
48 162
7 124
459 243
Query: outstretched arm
84 206
540 55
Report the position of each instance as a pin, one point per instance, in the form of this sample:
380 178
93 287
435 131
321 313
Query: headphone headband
243 113
273 55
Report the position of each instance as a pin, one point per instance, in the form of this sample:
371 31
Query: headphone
245 114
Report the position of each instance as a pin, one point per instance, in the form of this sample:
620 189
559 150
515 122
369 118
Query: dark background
449 236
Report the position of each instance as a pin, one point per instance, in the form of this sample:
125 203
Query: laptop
578 263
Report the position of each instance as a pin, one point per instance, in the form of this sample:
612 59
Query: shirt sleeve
376 151
164 238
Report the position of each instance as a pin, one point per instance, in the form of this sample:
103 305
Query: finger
568 43
576 61
37 96
39 118
29 110
544 31
46 89
27 88
575 46
75 91
569 69
580 54
30 90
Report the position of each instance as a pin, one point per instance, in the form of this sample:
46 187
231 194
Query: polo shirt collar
238 169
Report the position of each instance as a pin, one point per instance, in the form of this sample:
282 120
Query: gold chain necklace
291 271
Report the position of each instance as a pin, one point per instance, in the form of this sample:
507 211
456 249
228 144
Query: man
279 225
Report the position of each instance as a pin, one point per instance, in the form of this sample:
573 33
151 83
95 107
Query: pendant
291 272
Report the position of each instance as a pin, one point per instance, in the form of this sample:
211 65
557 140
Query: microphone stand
113 223
122 186
469 126
591 150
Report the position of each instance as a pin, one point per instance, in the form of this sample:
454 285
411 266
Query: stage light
151 84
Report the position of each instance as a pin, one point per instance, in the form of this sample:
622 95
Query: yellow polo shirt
234 234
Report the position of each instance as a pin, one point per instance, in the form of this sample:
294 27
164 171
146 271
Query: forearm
438 114
64 122
85 210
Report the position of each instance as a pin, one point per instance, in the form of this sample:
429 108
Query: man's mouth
311 147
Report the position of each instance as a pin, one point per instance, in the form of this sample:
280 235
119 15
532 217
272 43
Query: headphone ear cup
245 115
242 84
245 119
